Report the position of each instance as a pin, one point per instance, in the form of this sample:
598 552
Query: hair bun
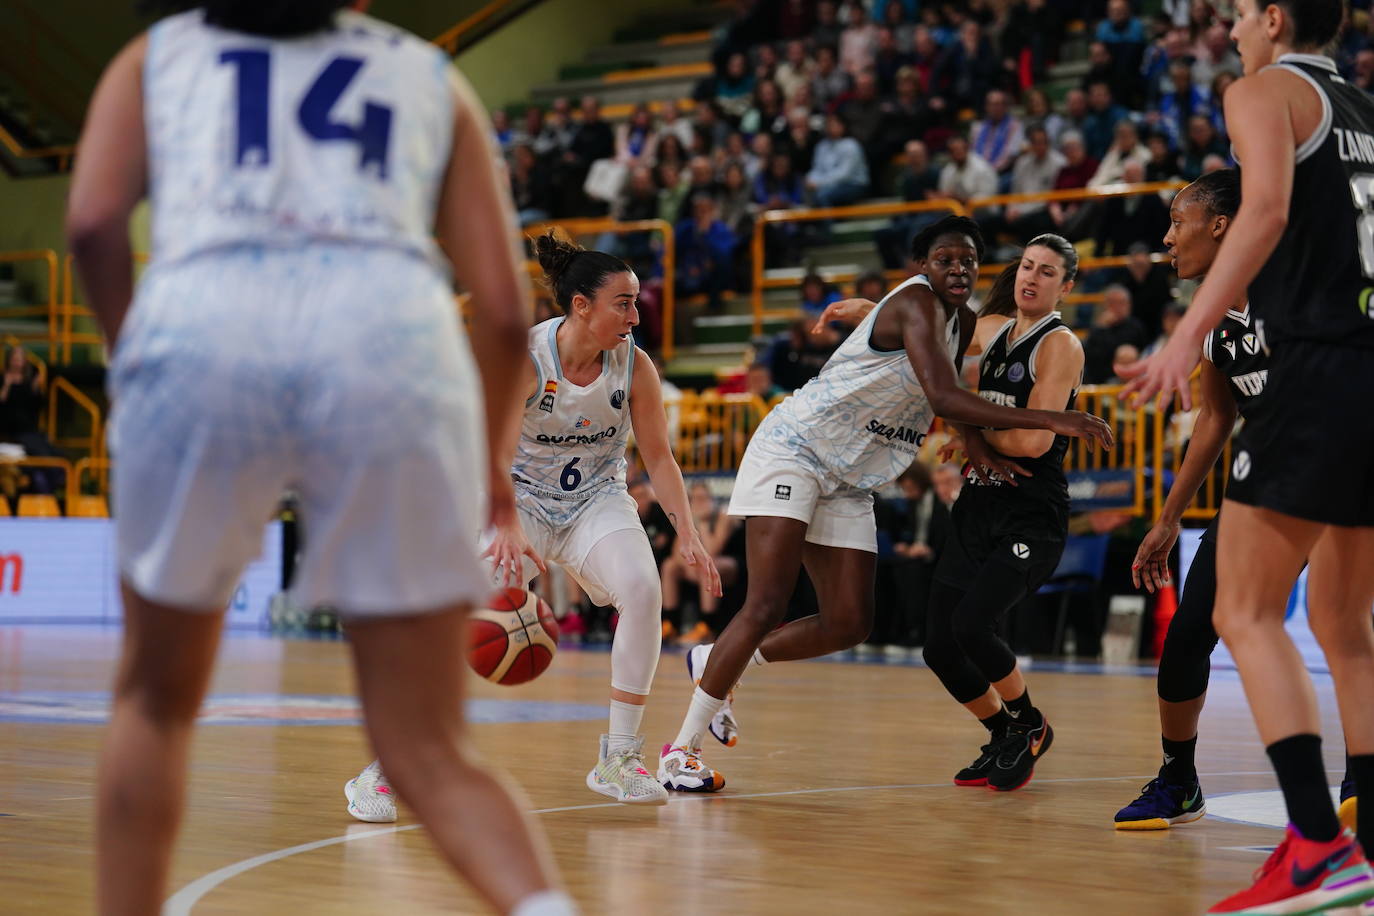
554 255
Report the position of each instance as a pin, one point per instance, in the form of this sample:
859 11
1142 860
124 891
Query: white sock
703 709
624 728
758 658
545 903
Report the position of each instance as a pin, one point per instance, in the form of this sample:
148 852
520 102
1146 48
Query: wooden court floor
838 796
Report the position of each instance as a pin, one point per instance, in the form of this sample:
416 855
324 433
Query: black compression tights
962 645
1186 660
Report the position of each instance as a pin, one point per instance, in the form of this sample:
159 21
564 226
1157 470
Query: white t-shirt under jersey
573 437
861 421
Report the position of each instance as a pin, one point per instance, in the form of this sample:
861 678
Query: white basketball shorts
339 372
791 488
567 539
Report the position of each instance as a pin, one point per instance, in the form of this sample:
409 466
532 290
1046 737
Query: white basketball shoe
723 726
621 775
681 769
370 796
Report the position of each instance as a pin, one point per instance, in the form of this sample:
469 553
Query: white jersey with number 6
573 438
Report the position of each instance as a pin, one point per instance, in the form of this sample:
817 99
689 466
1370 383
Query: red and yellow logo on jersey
550 389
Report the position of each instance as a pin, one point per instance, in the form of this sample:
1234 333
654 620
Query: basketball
513 639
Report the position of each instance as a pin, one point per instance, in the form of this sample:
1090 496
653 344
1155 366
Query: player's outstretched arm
109 178
1262 135
651 435
922 335
476 223
845 311
1215 420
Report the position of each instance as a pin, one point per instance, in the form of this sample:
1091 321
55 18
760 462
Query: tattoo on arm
672 517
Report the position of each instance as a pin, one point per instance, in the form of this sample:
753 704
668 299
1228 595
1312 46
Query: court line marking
180 903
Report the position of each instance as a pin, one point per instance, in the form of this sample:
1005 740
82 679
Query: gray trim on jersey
1288 62
1040 322
558 361
1030 360
629 372
914 280
538 383
1207 346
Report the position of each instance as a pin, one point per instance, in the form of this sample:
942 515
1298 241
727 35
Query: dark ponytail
1001 298
272 18
570 269
1316 23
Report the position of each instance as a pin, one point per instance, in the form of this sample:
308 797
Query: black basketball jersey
1318 282
1234 348
1006 375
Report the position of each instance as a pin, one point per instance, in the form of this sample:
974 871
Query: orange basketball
513 639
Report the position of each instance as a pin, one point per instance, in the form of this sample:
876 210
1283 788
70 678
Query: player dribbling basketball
592 387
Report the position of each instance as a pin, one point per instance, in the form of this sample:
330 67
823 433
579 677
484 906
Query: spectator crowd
817 103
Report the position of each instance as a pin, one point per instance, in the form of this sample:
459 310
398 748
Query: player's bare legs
164 669
844 594
1179 721
416 725
1251 600
1008 688
1340 592
773 549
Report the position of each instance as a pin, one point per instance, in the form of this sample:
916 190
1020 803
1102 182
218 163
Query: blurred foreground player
299 159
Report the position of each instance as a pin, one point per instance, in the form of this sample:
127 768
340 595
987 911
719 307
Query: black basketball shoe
1017 754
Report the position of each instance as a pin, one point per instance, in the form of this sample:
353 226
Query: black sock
1022 711
1179 762
1361 769
1298 763
997 723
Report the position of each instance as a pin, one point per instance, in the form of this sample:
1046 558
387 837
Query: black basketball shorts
991 525
1307 446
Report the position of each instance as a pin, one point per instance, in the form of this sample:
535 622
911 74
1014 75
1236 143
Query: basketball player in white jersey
296 327
806 482
592 386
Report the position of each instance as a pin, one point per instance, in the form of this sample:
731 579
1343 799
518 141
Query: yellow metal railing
449 39
585 227
1128 427
780 217
94 443
99 468
713 429
47 258
1167 456
988 271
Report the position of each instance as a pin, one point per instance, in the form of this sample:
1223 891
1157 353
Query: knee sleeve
622 565
942 652
1185 663
995 591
